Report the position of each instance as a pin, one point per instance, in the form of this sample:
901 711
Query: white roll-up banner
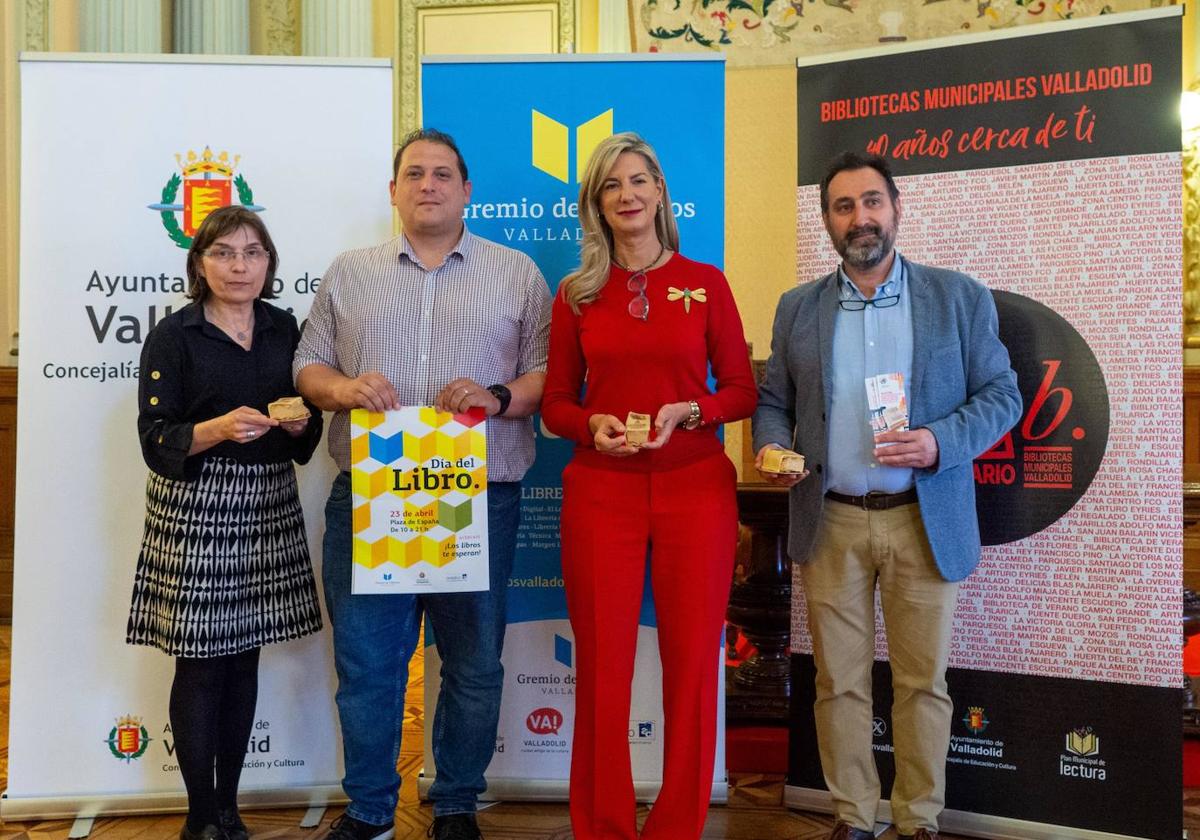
113 184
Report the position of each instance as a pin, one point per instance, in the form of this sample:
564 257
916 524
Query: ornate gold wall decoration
410 58
759 32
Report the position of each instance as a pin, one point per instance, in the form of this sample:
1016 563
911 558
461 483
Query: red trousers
688 518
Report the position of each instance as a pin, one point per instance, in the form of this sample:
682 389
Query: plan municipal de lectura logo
129 739
208 183
1083 741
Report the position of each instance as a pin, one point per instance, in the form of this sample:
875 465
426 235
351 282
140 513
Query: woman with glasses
635 329
224 566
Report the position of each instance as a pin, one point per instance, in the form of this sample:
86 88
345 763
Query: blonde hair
596 253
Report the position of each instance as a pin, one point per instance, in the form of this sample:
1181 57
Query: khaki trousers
854 549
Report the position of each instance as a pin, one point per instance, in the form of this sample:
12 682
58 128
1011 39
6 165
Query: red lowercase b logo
1041 469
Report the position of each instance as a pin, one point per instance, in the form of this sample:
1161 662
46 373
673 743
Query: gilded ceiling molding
410 60
37 26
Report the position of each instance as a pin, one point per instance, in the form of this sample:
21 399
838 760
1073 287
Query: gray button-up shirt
484 314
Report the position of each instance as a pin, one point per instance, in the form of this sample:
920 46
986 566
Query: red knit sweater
631 365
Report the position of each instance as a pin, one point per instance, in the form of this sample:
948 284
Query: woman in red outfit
642 324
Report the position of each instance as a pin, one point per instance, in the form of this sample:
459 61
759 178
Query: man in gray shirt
435 317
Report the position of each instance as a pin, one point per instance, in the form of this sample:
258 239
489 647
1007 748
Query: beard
866 247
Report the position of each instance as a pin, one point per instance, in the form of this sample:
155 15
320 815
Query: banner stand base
556 790
960 822
81 828
78 808
313 816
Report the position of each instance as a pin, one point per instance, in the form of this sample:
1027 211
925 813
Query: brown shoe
845 831
920 834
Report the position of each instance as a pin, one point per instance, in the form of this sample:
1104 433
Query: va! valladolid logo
129 739
1081 759
544 721
208 183
544 725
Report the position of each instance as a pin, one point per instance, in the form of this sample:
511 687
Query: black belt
875 501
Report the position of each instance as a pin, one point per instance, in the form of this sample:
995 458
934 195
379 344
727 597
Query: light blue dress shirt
867 343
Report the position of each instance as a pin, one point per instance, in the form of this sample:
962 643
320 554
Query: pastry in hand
288 409
637 428
782 462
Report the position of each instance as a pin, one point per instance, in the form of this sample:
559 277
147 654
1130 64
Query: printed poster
419 479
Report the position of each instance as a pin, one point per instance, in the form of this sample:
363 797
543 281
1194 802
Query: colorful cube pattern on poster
414 477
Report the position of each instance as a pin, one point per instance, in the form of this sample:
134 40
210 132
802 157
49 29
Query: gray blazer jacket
962 389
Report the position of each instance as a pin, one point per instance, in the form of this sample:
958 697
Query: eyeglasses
639 307
856 305
228 255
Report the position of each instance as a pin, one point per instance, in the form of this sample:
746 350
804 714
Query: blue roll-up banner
526 126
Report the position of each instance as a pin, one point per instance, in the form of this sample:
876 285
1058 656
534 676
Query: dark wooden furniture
760 606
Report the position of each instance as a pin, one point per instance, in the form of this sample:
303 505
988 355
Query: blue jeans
373 638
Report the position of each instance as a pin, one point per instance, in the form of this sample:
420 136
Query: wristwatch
693 418
501 393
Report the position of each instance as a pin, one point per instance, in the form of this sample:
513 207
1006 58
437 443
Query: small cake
637 428
288 409
782 462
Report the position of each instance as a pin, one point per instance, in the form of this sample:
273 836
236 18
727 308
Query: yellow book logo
1083 742
551 144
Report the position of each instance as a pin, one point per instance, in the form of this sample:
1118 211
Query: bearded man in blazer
894 510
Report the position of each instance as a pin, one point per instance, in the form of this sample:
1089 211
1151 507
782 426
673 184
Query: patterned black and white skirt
224 565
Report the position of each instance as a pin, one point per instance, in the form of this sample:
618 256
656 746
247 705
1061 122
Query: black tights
212 712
